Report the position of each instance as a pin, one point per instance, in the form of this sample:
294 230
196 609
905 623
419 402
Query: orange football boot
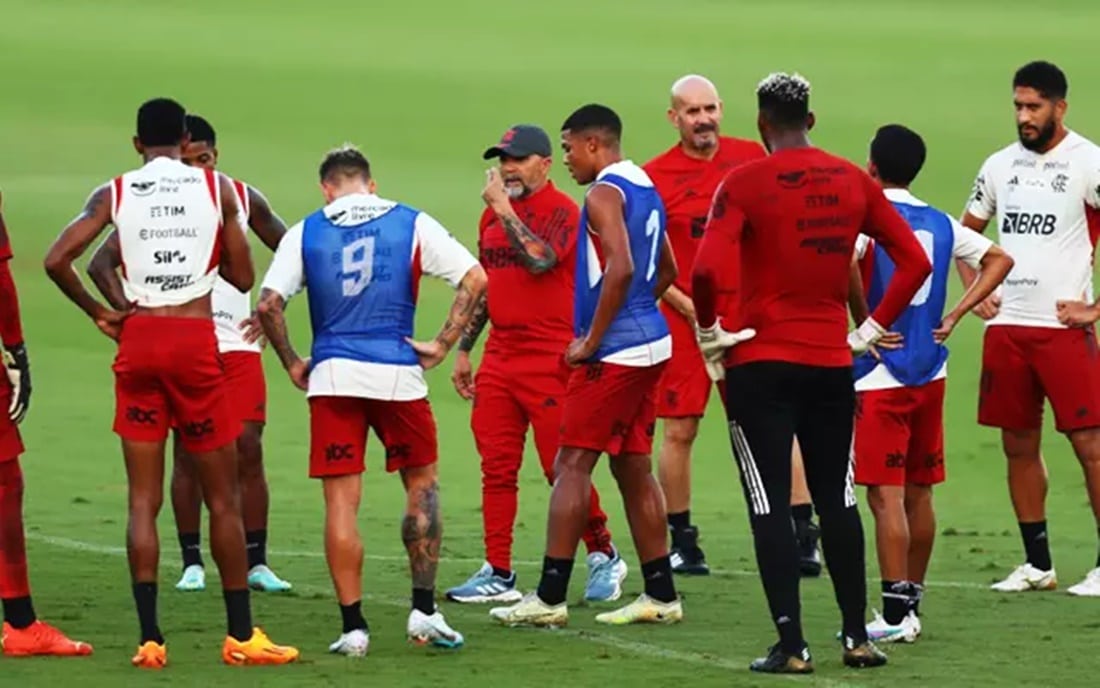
151 655
40 638
256 650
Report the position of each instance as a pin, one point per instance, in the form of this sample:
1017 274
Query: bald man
686 176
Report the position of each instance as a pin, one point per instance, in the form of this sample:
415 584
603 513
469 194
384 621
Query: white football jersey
168 217
231 306
1046 210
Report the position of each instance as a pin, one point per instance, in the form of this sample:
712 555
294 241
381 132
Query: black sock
189 547
1036 544
145 596
802 513
353 617
895 601
18 611
502 573
657 575
256 544
424 600
680 521
238 613
555 580
916 593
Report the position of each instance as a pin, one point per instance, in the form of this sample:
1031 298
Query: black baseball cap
520 141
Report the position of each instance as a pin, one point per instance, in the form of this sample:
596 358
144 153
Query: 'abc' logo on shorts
198 428
141 416
338 452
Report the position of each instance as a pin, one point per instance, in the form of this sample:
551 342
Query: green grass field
424 86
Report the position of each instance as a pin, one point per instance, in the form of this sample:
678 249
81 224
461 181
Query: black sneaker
862 655
779 662
809 555
686 556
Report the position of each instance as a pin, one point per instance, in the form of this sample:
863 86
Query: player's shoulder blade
624 170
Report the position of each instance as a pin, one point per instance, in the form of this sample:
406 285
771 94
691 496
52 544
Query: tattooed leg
422 531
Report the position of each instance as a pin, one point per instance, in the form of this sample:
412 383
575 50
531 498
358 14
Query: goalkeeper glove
865 336
18 368
713 340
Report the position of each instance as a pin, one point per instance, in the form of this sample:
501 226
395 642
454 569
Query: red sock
597 538
13 547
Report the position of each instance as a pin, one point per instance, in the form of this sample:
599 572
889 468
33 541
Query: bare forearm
474 328
465 303
67 279
966 273
109 284
992 274
857 302
273 322
536 254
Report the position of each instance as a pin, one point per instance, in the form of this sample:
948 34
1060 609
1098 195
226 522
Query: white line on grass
630 646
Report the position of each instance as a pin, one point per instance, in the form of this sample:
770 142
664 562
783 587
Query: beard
516 188
704 136
1041 140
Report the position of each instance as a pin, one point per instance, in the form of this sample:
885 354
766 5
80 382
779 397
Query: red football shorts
1022 365
684 388
611 408
11 443
898 437
168 368
245 385
338 429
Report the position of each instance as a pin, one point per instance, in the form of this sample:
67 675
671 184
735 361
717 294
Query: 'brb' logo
1028 223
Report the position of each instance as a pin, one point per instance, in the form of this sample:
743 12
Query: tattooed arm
536 254
463 375
73 241
284 278
442 256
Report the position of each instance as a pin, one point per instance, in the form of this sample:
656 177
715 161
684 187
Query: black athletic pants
768 404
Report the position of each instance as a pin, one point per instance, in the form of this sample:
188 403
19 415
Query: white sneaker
1025 578
352 644
915 622
193 579
879 631
423 629
645 609
532 611
1090 587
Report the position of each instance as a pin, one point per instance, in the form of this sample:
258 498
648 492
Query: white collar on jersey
903 196
355 209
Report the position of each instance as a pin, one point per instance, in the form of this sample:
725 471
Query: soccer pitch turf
424 87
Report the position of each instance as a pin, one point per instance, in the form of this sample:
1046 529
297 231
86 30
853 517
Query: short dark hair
345 161
898 153
1044 77
595 117
201 130
161 122
784 99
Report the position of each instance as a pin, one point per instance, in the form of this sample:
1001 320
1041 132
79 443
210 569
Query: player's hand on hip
714 341
463 376
989 308
110 322
299 373
494 194
579 351
1076 313
430 353
867 335
18 368
251 331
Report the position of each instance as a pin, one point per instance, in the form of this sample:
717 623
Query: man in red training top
23 633
792 219
527 240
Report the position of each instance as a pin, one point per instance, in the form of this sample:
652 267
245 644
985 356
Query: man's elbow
477 281
56 263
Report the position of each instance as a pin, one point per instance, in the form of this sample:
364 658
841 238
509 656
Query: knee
573 463
146 504
1021 446
883 501
631 467
11 479
681 431
917 499
1086 444
499 470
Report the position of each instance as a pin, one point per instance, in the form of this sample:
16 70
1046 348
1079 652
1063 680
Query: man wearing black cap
527 239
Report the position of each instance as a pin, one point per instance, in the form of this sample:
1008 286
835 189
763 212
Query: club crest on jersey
1058 184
